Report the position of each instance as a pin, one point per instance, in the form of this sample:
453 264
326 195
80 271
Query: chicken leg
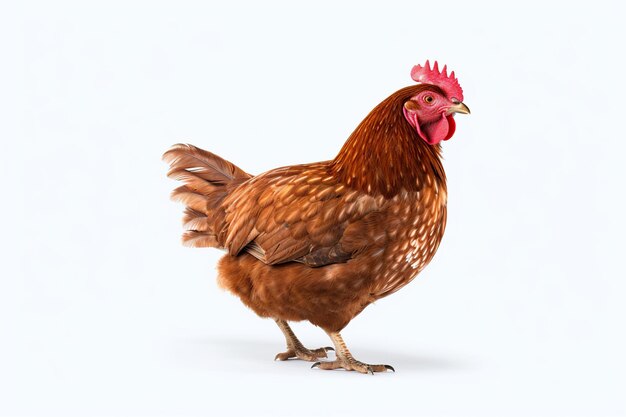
346 361
295 349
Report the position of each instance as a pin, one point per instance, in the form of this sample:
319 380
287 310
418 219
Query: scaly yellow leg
295 349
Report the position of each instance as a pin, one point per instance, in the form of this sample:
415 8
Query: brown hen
321 241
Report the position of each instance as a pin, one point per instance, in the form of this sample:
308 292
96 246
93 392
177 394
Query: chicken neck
385 155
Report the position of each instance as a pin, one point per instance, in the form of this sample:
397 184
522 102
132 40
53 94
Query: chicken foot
295 349
346 361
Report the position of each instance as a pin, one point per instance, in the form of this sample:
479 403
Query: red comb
441 79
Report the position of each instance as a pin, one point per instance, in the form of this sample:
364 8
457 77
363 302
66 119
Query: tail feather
195 201
206 179
202 164
195 220
200 240
193 182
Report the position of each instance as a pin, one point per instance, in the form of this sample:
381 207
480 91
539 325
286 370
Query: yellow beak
458 108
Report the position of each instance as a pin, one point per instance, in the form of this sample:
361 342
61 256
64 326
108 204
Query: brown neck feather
385 154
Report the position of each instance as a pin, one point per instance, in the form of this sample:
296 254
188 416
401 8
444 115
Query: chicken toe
346 361
352 364
295 349
303 353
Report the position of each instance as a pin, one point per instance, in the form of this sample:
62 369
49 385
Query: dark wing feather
299 213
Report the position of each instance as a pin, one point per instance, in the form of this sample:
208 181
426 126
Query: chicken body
321 241
380 246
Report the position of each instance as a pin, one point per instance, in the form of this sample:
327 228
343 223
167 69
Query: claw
316 364
283 356
370 370
390 368
327 348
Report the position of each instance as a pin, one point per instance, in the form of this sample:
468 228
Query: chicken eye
429 99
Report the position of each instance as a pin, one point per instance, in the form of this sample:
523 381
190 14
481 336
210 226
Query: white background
104 313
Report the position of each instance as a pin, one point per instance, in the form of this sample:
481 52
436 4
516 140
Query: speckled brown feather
321 241
299 213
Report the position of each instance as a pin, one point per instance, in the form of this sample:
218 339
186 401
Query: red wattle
451 128
433 132
436 131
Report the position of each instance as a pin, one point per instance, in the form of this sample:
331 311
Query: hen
321 241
